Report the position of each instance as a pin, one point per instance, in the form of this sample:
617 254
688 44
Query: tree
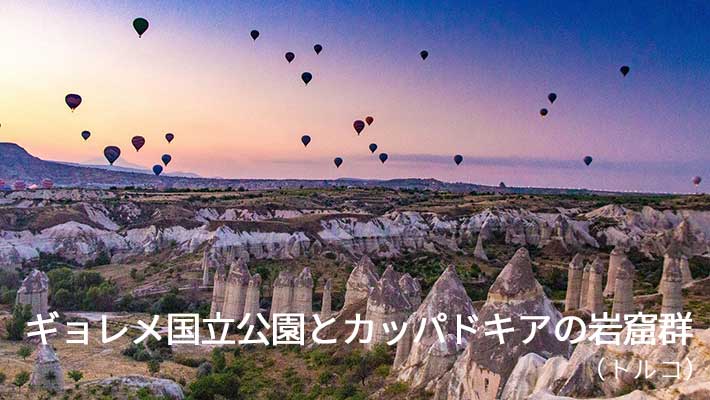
21 378
15 326
76 376
153 366
24 352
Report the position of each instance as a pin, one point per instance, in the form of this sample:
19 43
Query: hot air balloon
138 142
458 159
697 180
85 134
318 48
166 159
373 147
337 161
289 56
624 70
552 97
543 111
359 125
169 137
19 185
383 157
140 25
306 77
112 153
254 34
47 183
157 169
588 160
305 139
369 120
423 54
72 100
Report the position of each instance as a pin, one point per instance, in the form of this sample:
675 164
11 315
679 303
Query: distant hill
16 163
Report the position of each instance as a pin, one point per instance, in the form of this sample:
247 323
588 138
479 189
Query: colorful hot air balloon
112 153
588 160
373 147
369 120
169 137
254 34
305 139
383 157
166 159
47 183
359 125
318 48
140 25
552 97
423 54
306 77
85 134
157 169
337 161
458 159
624 70
289 57
697 180
543 112
72 100
138 142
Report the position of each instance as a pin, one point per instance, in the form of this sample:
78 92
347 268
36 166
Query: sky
238 109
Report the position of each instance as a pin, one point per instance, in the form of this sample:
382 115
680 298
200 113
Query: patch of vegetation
86 290
15 326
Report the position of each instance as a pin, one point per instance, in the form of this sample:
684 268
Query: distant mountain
16 163
131 168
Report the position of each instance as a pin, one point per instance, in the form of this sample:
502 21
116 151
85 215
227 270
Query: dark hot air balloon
138 142
140 25
157 169
383 157
318 48
85 134
624 70
305 139
588 160
458 159
552 97
169 137
337 161
359 125
697 180
423 54
306 77
369 120
543 111
47 183
254 34
72 100
112 153
166 159
289 56
373 147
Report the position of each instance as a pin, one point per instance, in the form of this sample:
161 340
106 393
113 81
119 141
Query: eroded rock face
218 291
47 373
574 283
326 307
411 290
483 369
34 292
386 304
164 388
361 282
616 258
251 305
282 294
424 363
303 294
236 290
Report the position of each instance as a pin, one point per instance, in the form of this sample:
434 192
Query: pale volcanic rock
624 290
685 270
424 363
361 282
595 294
282 294
253 297
386 304
478 251
326 302
303 294
236 290
34 291
47 373
616 258
218 291
483 369
574 283
411 289
162 388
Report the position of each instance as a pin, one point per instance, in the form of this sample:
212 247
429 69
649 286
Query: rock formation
685 270
422 364
303 294
624 290
386 304
218 291
160 388
616 257
235 292
206 267
34 292
47 373
595 293
326 307
478 251
361 282
251 304
282 294
483 369
671 287
584 290
574 283
411 290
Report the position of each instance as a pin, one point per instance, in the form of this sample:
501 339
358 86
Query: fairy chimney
685 270
235 293
205 268
303 294
574 282
672 288
386 304
47 373
282 294
478 251
218 291
671 256
34 292
584 287
616 258
361 282
251 303
326 307
624 290
594 301
411 290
